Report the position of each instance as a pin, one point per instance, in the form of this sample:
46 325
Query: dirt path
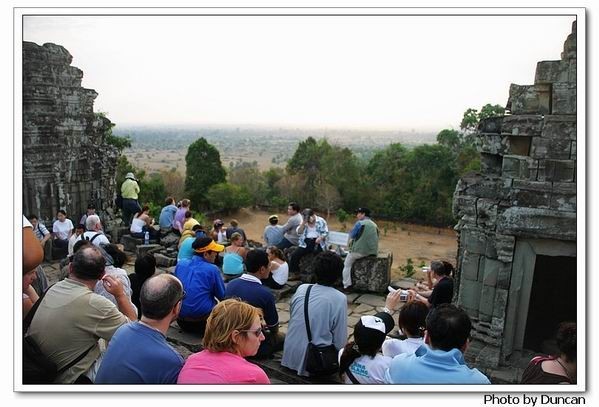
420 243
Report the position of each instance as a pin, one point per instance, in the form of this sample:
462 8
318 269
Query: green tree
117 141
204 169
249 177
152 190
228 197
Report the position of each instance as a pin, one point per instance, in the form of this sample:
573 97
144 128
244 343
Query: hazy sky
388 72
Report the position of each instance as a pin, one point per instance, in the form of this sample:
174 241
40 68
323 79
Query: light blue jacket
321 228
433 366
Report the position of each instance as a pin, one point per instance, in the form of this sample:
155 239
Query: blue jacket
167 216
202 282
433 366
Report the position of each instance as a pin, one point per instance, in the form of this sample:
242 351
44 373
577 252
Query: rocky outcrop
66 161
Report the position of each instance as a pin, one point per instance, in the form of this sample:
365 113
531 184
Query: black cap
365 211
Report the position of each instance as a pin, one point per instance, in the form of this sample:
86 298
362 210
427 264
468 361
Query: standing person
443 290
289 229
62 229
273 233
95 231
43 235
278 269
179 219
167 215
129 192
233 332
312 231
234 228
234 257
203 283
138 352
327 311
91 210
364 241
249 288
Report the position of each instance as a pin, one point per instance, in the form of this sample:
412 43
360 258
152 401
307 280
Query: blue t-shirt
139 354
186 251
203 283
167 216
433 366
250 290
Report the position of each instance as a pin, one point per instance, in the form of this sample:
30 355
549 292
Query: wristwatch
388 311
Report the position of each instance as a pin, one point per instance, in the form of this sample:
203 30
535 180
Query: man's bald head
88 263
159 295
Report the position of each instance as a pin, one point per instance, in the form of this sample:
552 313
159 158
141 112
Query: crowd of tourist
98 324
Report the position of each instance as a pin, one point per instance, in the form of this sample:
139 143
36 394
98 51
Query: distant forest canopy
400 181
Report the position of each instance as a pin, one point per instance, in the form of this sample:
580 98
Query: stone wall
66 161
526 190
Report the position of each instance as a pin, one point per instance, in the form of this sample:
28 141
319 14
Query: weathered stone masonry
522 203
66 161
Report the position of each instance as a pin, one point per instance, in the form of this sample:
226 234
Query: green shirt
129 189
368 241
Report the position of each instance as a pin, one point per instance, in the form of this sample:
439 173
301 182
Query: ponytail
449 269
349 354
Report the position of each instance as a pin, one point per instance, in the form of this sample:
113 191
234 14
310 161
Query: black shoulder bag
320 360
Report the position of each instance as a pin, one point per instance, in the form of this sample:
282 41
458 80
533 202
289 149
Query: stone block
559 170
537 223
162 260
491 271
519 167
142 249
492 143
364 308
552 71
519 145
569 51
531 194
491 125
559 127
130 242
486 210
522 125
499 310
469 296
170 240
177 336
487 301
564 98
573 151
488 357
474 240
528 99
504 275
505 247
464 205
563 202
371 273
470 266
546 148
490 164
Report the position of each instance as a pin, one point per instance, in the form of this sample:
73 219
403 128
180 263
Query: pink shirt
208 367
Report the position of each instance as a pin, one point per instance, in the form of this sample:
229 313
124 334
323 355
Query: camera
403 295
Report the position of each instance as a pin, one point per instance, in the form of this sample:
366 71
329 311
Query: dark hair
448 327
442 268
158 296
88 263
188 214
307 212
294 206
197 227
412 318
32 217
327 268
255 259
119 257
273 221
234 223
145 266
366 342
91 206
80 226
566 340
169 200
79 243
277 252
142 210
61 211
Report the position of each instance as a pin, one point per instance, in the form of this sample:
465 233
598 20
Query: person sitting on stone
289 229
167 215
43 235
412 323
441 360
273 233
66 267
180 216
234 257
234 228
129 193
558 369
185 245
233 332
442 292
312 232
364 241
138 352
218 234
62 229
188 225
278 269
360 361
78 235
249 288
203 283
71 317
91 210
95 231
142 223
145 267
115 259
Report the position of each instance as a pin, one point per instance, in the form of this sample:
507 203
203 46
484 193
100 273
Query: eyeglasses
183 295
262 330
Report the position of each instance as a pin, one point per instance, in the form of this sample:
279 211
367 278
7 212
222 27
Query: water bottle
147 238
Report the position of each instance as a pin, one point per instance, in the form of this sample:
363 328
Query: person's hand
412 295
113 285
392 300
318 240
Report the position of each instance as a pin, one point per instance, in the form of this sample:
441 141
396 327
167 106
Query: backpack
93 237
38 368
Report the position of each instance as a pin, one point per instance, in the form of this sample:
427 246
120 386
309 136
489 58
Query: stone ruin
67 163
517 220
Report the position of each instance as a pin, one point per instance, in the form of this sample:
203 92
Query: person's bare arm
123 302
33 253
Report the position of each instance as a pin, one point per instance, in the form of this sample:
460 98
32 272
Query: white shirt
394 347
101 239
221 236
74 238
137 225
62 229
368 370
311 232
281 274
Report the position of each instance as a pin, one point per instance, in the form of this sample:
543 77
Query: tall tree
204 169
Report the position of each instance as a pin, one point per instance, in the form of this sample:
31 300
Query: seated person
142 223
115 259
412 323
278 269
234 228
233 332
249 288
186 241
442 361
94 231
218 234
273 233
91 210
79 231
234 256
30 296
145 267
442 292
183 207
167 215
189 221
138 352
62 229
559 369
312 232
43 235
360 361
203 284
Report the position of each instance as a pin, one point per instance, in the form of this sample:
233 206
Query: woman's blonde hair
236 236
227 316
